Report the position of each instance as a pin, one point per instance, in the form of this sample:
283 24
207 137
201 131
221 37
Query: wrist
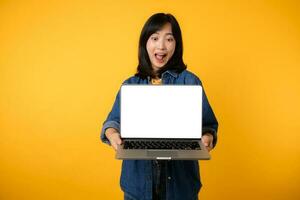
109 132
211 131
209 134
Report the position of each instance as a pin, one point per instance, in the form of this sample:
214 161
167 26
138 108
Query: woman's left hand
207 139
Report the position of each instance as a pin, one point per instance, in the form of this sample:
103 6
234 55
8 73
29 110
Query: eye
170 39
154 38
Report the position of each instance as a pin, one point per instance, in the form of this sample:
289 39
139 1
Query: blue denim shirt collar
171 72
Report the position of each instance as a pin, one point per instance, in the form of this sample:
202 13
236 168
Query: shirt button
169 177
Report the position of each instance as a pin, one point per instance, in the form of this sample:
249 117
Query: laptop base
162 154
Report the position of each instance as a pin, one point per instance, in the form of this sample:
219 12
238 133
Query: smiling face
160 47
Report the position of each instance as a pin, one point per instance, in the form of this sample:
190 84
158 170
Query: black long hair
152 25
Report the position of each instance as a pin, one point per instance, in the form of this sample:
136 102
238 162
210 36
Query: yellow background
62 62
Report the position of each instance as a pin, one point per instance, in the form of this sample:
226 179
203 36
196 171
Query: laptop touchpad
158 153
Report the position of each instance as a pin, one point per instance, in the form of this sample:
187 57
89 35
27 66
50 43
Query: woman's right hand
114 137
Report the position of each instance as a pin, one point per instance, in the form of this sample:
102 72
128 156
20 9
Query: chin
160 66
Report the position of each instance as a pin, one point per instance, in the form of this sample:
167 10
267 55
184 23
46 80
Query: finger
208 149
205 142
119 141
115 140
114 145
207 145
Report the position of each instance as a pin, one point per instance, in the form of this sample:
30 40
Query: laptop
161 122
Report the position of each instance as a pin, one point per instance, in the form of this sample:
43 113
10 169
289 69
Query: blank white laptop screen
161 111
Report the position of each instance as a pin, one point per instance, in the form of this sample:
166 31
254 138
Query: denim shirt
183 178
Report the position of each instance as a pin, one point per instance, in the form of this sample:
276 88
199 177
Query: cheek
149 49
172 49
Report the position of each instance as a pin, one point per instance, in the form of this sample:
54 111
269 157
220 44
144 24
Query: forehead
165 29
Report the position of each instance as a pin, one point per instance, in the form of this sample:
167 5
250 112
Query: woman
160 62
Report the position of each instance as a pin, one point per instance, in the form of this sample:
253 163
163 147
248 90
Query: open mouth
160 57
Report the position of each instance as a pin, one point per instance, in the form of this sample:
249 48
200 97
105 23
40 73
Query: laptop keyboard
183 145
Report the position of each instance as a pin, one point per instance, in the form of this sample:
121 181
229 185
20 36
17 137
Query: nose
161 44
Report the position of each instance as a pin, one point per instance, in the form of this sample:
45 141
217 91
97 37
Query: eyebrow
166 33
169 34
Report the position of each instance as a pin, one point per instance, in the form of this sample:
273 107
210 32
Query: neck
155 74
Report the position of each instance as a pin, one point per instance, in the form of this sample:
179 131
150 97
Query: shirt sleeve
209 121
112 120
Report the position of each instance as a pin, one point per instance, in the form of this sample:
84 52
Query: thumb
118 141
115 143
205 141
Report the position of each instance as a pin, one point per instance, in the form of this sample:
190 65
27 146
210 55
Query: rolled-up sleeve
112 120
209 121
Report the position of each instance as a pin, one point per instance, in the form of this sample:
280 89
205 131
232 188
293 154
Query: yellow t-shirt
156 81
